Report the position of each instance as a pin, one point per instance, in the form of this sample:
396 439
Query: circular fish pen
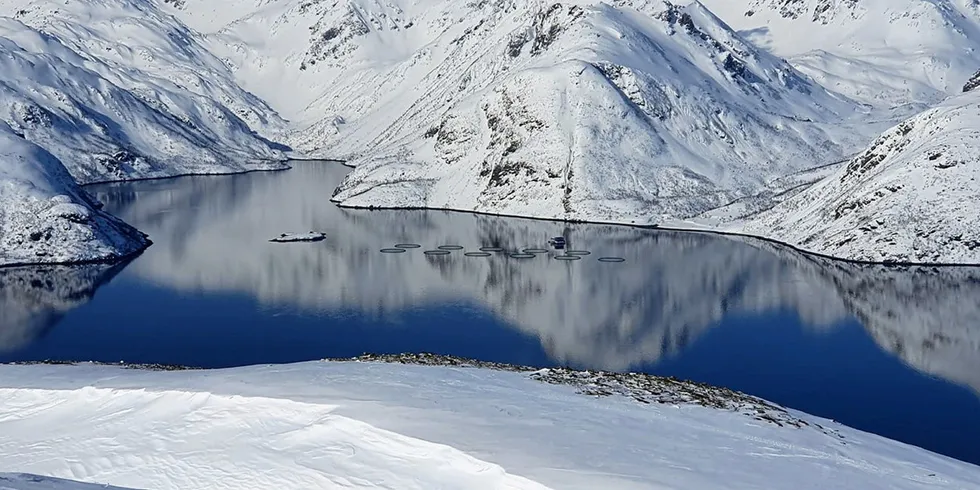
611 259
393 250
568 257
491 249
535 250
436 252
477 254
450 247
518 255
407 245
578 252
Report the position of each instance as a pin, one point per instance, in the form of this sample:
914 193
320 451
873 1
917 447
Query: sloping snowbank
46 218
367 425
912 196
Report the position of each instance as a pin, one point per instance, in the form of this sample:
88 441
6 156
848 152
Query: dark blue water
890 351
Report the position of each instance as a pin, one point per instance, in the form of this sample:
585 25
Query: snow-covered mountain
888 53
627 110
46 218
638 111
117 90
108 90
913 195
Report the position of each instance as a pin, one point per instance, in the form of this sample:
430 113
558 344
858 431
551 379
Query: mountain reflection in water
211 236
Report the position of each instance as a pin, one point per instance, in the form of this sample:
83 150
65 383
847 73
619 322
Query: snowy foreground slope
372 425
46 218
912 196
626 110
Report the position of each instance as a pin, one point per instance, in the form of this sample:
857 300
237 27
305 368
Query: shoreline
675 228
636 387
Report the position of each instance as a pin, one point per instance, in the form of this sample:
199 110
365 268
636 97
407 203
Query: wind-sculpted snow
912 196
46 218
624 111
117 90
672 288
368 425
34 299
889 53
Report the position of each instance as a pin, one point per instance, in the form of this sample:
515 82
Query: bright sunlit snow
368 425
630 111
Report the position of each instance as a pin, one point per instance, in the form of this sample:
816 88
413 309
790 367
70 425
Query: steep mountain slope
118 90
912 196
633 110
888 53
46 218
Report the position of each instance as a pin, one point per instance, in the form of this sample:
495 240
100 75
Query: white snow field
46 218
376 425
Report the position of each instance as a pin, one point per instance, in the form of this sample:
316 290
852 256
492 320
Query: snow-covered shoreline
373 424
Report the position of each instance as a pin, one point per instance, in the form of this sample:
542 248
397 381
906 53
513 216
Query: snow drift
370 425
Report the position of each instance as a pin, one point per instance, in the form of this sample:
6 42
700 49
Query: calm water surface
890 351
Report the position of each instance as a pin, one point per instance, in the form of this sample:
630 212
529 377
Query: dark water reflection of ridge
819 335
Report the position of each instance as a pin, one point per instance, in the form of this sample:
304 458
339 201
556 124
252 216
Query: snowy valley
846 128
629 111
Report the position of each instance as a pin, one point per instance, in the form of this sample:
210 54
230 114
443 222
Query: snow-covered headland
44 215
384 425
94 91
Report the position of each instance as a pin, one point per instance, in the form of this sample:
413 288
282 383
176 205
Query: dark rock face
973 82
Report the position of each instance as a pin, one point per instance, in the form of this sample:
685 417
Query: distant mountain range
628 111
